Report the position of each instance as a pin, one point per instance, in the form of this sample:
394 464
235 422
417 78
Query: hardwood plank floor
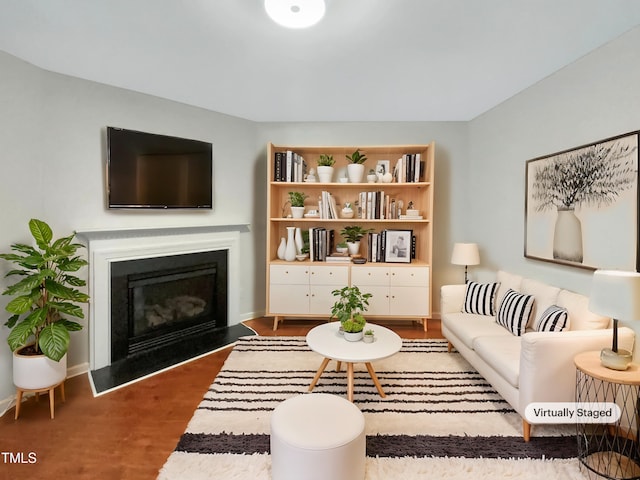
127 433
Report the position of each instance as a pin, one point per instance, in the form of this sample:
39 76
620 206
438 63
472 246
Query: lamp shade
616 294
465 254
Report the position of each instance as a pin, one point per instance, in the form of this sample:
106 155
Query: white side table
325 340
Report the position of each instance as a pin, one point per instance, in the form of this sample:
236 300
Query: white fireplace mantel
107 246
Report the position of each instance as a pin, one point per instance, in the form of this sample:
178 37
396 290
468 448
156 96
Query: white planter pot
325 174
297 212
355 172
353 337
353 247
368 338
33 372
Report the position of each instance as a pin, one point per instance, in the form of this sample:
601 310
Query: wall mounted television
146 170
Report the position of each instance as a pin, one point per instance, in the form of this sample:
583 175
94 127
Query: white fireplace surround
108 246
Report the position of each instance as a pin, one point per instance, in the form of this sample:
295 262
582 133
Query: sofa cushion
502 354
514 311
480 298
553 319
467 327
580 318
545 295
507 281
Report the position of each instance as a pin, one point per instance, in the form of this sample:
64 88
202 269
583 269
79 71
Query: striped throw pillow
480 298
553 319
514 311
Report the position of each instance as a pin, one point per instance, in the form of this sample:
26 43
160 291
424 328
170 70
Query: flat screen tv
146 170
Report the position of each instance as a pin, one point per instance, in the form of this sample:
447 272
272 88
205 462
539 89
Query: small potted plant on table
368 336
348 309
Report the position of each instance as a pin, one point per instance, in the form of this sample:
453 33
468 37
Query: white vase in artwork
567 236
298 240
290 251
282 248
355 172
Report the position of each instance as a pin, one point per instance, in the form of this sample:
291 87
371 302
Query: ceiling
367 60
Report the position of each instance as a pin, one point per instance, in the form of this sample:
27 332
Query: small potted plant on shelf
347 210
44 296
352 234
371 176
355 168
342 247
325 168
349 308
296 199
368 336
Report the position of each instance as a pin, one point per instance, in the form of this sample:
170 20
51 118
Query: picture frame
398 246
382 167
581 205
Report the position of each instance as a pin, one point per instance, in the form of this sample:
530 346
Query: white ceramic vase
290 251
298 240
355 172
282 248
33 372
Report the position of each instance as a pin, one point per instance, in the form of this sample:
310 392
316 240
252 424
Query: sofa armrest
547 371
451 298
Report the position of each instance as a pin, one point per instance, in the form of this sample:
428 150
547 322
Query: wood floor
127 433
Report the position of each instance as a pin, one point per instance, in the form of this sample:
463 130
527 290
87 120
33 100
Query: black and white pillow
553 319
514 311
480 298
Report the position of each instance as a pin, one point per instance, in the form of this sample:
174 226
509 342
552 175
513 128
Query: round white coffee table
325 340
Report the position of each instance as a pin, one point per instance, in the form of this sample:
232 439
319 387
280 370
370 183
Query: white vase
282 248
33 372
567 236
298 240
347 212
290 250
355 172
353 247
325 173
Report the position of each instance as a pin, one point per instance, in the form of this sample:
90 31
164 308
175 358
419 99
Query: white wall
594 98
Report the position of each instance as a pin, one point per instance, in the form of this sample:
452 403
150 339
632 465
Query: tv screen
145 170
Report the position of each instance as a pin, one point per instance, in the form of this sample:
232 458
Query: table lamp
465 254
616 294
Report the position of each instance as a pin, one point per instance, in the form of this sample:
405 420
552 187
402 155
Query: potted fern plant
44 295
355 167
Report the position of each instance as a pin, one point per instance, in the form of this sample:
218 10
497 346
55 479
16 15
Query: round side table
609 450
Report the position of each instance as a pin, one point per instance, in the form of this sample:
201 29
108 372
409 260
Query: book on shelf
289 167
338 257
410 217
409 168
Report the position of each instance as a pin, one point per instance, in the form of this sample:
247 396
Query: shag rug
440 418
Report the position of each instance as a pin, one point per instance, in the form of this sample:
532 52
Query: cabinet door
288 299
412 301
320 299
289 274
379 302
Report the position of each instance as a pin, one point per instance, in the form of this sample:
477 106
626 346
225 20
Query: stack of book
289 167
408 168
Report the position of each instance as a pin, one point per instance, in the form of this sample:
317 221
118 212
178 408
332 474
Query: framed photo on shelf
382 167
398 246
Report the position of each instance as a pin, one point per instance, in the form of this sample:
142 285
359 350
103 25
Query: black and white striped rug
438 413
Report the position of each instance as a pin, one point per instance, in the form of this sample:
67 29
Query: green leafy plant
45 292
354 325
297 199
357 157
350 305
368 332
342 245
354 233
326 160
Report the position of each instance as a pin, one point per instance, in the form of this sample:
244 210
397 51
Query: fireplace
166 302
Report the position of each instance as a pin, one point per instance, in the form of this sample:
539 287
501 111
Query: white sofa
536 366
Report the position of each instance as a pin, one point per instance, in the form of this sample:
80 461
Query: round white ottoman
317 436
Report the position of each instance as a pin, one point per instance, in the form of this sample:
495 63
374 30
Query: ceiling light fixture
295 13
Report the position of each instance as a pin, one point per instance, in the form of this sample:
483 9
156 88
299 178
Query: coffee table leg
374 377
323 365
350 381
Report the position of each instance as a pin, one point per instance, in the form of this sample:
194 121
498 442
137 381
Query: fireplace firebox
164 304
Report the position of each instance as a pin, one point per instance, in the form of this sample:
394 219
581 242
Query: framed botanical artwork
581 205
397 246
